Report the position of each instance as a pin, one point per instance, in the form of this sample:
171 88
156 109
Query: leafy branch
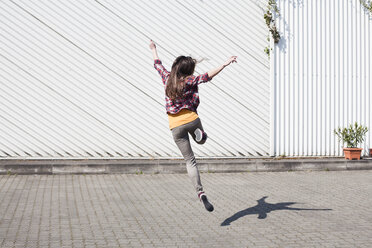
272 9
270 23
367 4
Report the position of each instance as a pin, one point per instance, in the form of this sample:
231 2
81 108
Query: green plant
271 11
267 51
352 135
367 4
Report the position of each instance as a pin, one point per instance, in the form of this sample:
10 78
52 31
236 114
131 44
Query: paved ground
275 209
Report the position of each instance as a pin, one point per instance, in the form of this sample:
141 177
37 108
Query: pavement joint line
174 166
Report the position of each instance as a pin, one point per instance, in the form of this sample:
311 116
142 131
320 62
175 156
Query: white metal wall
77 77
320 75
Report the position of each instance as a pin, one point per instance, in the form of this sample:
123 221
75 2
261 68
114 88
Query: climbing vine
271 11
367 4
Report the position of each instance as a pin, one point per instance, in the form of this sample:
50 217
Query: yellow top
183 117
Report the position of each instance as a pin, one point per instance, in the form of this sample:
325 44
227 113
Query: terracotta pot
352 153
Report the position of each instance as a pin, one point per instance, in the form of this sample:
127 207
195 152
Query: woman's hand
152 45
232 59
153 49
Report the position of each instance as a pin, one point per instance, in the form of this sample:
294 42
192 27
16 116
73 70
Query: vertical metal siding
77 80
320 76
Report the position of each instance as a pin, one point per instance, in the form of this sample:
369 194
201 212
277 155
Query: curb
168 166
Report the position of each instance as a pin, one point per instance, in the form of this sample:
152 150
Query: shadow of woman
263 208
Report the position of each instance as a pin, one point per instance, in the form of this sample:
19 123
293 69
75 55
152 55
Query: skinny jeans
181 137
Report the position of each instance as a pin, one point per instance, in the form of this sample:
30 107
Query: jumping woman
182 100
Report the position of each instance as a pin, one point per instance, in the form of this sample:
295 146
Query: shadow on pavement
263 208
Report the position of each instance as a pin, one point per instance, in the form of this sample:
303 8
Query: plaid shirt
190 98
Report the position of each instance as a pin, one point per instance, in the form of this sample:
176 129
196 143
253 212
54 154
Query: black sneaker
205 201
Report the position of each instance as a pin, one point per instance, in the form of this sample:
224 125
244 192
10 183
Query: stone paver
277 209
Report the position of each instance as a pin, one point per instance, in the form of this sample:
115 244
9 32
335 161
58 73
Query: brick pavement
277 209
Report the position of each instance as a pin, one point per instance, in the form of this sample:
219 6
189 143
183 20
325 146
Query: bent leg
197 132
181 137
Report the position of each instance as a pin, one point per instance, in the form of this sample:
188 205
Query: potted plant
352 136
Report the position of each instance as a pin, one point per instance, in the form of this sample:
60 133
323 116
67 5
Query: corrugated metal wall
320 75
77 77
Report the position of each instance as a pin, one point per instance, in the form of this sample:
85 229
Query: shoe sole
199 135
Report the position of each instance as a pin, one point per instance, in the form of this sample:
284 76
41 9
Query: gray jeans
181 137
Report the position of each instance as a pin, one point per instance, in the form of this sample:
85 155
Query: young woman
182 100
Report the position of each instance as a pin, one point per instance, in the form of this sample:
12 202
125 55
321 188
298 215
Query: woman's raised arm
217 70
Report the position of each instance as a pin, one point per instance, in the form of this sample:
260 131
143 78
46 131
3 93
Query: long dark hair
182 68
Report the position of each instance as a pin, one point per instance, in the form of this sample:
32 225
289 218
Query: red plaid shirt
190 98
